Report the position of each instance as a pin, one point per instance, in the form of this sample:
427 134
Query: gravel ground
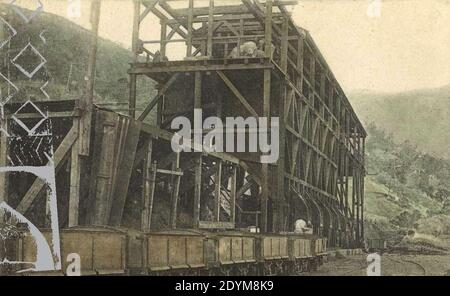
391 265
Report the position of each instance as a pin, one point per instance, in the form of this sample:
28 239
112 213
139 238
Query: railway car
102 251
177 252
231 253
376 245
116 251
273 254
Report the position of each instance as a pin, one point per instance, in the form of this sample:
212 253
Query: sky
374 45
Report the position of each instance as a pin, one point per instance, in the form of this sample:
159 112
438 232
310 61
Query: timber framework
120 170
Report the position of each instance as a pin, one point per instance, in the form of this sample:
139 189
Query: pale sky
406 47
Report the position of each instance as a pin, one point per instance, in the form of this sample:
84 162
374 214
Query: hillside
407 189
66 51
422 117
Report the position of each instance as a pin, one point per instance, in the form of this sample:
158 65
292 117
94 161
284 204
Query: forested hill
422 117
66 50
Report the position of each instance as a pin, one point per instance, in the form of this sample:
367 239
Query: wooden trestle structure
117 170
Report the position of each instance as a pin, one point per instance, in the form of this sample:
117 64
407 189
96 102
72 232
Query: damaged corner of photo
16 230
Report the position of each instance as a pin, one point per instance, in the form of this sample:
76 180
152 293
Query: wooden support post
362 205
266 113
86 120
197 191
149 191
217 190
354 188
198 90
75 178
284 44
147 173
358 194
300 56
135 49
136 26
279 198
132 98
199 159
190 28
233 195
175 192
163 45
210 28
197 105
346 179
265 167
268 29
4 184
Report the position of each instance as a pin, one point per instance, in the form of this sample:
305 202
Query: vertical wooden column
132 98
149 182
136 27
75 179
346 178
300 55
210 28
175 191
233 195
265 167
189 28
362 205
217 189
3 160
163 45
3 147
81 147
357 189
266 113
268 29
199 159
86 119
279 199
284 44
135 50
197 191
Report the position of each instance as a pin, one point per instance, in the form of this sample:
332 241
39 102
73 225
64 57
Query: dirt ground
391 265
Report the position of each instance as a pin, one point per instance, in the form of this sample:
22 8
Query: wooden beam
149 181
150 5
86 119
210 28
233 196
155 101
197 191
174 26
164 39
175 197
238 95
265 167
75 177
60 155
132 95
3 160
216 225
268 28
190 28
137 19
284 44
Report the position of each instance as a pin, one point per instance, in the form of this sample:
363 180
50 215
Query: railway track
404 262
391 265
